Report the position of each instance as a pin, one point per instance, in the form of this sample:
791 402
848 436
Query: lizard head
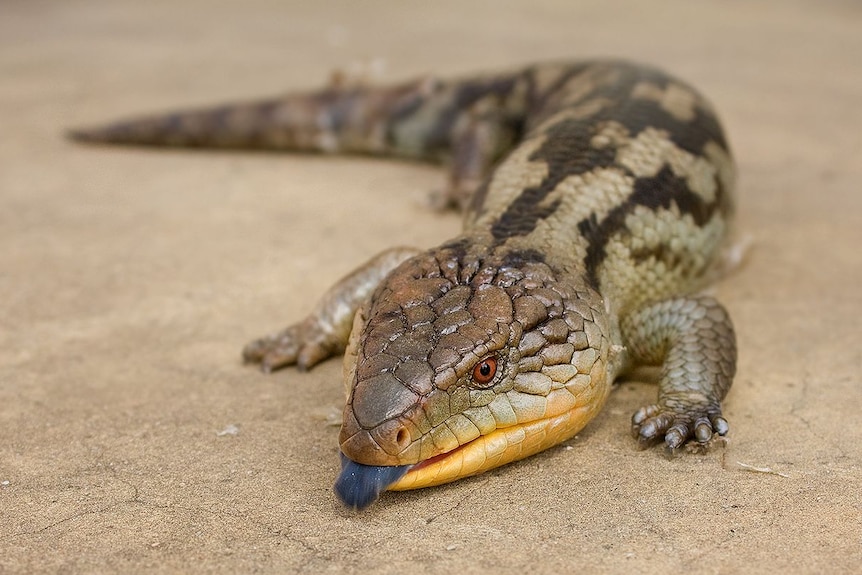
453 369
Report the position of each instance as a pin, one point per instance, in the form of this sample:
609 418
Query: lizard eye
485 370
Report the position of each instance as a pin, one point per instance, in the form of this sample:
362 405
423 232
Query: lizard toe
654 423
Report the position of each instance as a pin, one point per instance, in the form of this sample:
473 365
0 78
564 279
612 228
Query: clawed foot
677 420
456 196
304 344
444 200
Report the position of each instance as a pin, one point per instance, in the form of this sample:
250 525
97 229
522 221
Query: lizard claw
677 424
304 344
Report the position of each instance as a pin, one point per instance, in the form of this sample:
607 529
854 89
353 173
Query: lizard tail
335 119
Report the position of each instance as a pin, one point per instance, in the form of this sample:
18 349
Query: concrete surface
133 440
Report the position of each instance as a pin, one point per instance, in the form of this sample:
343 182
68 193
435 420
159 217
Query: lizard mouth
494 449
358 485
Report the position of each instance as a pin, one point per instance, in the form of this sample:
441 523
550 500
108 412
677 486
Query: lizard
596 197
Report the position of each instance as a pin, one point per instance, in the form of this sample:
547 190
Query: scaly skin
580 257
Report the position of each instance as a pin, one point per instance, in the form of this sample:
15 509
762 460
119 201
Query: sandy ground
133 440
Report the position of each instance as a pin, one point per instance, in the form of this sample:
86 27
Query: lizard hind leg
693 340
481 135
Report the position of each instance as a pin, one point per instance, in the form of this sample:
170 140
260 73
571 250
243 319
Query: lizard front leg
324 332
693 340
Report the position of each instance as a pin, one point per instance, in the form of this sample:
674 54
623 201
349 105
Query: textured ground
133 440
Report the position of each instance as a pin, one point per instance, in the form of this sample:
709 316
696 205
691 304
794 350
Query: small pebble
229 430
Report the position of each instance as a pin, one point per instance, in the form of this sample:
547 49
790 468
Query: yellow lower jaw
498 448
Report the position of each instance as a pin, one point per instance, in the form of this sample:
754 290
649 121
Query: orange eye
485 370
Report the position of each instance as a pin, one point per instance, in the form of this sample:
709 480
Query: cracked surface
125 280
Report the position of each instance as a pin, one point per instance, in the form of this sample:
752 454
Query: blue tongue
359 485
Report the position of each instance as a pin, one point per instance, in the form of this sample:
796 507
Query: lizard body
581 255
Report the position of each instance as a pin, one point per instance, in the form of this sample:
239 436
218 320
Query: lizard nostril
402 436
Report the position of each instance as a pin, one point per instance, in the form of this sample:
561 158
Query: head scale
446 353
